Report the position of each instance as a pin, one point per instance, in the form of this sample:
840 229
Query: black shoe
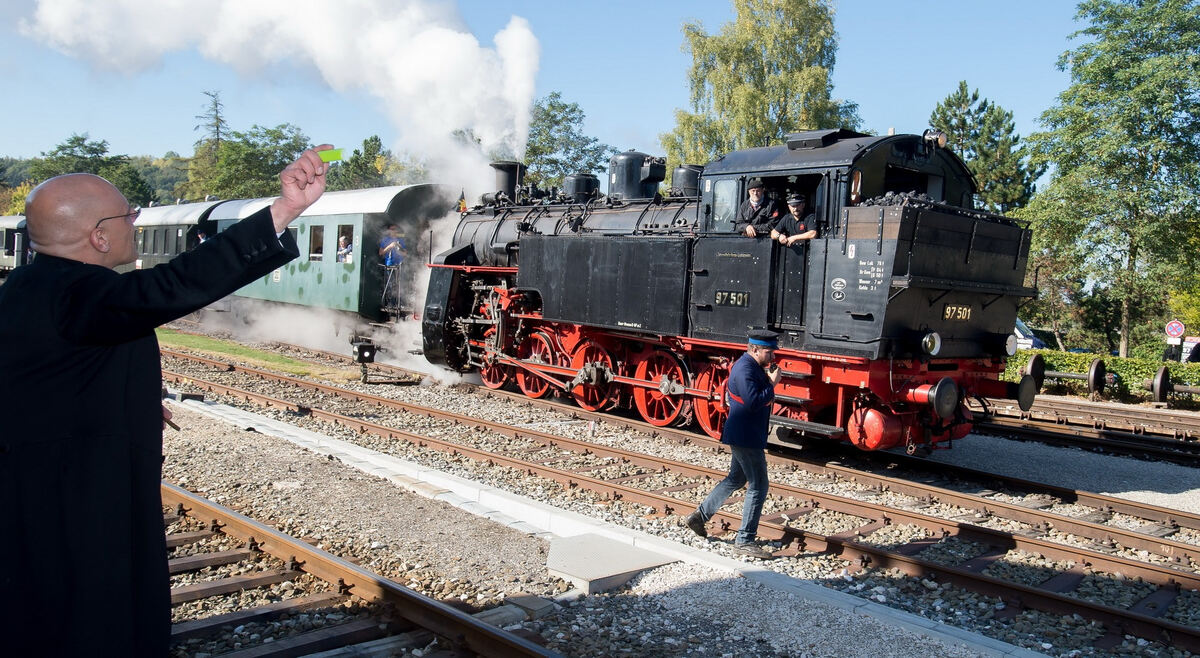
754 550
694 522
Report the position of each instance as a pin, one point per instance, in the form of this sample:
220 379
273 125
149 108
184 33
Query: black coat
762 218
83 561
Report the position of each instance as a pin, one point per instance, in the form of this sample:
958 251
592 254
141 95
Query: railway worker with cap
757 214
796 225
83 561
750 394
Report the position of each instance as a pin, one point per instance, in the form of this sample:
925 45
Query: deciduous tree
766 74
557 146
78 155
1124 142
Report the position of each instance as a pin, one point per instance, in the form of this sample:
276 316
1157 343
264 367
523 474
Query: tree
78 155
1124 141
766 74
363 169
983 135
248 164
202 167
557 146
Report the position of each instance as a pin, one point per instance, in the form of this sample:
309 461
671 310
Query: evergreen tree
557 146
202 168
984 136
766 74
1124 141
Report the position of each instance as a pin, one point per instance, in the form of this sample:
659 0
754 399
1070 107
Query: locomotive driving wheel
595 366
495 375
665 404
711 413
537 348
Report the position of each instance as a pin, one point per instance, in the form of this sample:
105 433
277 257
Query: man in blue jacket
750 394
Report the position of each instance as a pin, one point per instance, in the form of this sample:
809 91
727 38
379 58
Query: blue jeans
747 465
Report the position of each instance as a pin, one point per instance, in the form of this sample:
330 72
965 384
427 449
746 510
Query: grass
242 355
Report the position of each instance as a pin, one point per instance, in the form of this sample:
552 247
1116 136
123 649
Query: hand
773 373
301 184
750 232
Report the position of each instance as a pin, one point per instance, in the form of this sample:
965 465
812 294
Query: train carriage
898 311
15 243
354 282
164 232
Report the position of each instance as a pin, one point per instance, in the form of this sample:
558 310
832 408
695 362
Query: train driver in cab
758 213
797 225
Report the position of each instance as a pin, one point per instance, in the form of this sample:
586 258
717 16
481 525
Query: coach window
178 241
154 241
345 243
141 238
725 204
316 242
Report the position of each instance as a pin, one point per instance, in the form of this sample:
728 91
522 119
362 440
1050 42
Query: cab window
725 205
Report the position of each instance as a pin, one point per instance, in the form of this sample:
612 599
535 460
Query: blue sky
620 60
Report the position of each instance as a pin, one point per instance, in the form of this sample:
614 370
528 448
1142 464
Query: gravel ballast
678 609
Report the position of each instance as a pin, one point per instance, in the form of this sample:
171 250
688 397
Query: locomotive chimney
635 175
509 175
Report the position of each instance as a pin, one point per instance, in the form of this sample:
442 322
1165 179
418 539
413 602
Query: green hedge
1130 372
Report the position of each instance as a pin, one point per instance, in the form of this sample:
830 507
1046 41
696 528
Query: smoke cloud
430 74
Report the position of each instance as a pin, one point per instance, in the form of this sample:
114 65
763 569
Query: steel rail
846 548
461 629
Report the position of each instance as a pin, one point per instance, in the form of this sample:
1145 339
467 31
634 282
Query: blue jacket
750 395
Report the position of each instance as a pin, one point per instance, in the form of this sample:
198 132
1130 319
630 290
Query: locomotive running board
806 428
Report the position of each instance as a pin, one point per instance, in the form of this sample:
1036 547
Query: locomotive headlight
1010 345
935 138
931 343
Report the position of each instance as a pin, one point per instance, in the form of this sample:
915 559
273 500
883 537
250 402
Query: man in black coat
757 214
83 567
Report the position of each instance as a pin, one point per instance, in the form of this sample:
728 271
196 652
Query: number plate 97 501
961 312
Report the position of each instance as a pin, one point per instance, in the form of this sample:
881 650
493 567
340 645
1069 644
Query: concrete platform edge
474 497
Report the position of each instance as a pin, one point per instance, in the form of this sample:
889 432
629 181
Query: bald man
83 568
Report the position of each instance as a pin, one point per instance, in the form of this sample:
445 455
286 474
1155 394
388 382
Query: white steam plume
431 75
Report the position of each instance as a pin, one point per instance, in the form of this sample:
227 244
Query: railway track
1116 428
371 609
895 523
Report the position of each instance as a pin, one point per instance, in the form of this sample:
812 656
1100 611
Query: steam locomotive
898 311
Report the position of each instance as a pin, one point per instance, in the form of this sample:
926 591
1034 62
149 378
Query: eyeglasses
133 213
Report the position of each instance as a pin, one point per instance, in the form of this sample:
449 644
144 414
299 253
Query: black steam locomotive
899 310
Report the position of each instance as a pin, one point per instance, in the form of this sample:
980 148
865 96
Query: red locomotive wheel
711 413
658 408
598 395
537 348
495 375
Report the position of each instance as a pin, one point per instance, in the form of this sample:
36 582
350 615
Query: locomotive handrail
910 281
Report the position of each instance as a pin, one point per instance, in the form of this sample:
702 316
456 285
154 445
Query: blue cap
764 338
